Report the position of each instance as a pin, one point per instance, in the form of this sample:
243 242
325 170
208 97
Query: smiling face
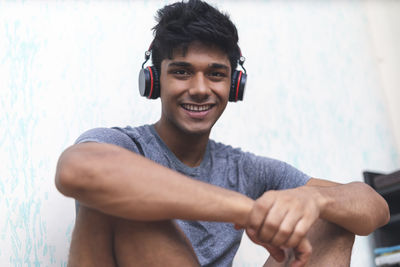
194 89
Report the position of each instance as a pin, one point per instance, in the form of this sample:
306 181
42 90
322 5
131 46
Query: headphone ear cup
238 85
149 84
156 83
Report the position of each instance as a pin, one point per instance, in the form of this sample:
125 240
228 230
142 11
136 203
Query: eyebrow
179 64
218 66
186 64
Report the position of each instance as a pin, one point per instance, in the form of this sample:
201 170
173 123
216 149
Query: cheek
224 90
171 88
168 102
227 92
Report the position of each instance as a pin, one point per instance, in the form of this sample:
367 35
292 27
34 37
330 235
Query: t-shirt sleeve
271 174
109 136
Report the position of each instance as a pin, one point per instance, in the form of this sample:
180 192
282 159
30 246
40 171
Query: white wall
314 98
384 21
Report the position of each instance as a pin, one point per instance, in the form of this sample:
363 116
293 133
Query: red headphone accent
237 86
151 82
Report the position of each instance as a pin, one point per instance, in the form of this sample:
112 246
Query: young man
167 195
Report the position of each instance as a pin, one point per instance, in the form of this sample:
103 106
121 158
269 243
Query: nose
199 89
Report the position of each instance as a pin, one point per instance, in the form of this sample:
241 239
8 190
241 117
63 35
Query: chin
196 129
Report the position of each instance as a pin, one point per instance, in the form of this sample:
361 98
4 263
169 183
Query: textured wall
384 21
313 99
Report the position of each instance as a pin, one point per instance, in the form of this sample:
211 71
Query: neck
188 148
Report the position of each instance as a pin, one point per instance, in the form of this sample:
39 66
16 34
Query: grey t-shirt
215 243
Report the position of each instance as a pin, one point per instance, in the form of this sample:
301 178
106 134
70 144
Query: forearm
124 184
354 206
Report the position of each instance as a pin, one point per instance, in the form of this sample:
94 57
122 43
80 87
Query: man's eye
217 74
180 72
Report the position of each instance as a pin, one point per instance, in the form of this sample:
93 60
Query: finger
272 224
258 213
299 233
302 253
277 253
286 229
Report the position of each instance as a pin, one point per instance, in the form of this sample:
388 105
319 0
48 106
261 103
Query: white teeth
196 108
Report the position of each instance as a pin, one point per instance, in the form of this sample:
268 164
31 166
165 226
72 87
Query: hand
281 219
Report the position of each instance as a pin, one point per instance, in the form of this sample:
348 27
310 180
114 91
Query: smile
196 108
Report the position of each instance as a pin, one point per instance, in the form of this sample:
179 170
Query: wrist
322 199
242 208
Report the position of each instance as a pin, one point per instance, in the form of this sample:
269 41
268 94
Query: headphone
149 80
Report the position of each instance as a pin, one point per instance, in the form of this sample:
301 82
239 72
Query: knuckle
272 225
265 235
301 233
285 232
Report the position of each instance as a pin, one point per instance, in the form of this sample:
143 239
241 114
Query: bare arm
354 206
121 183
283 218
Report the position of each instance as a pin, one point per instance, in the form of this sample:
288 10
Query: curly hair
182 23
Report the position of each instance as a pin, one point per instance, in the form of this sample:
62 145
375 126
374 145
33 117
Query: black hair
182 23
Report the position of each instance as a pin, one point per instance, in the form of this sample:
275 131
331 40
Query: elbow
377 221
380 214
69 172
382 211
64 181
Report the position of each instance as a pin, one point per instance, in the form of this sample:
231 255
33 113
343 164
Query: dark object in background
382 181
388 186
